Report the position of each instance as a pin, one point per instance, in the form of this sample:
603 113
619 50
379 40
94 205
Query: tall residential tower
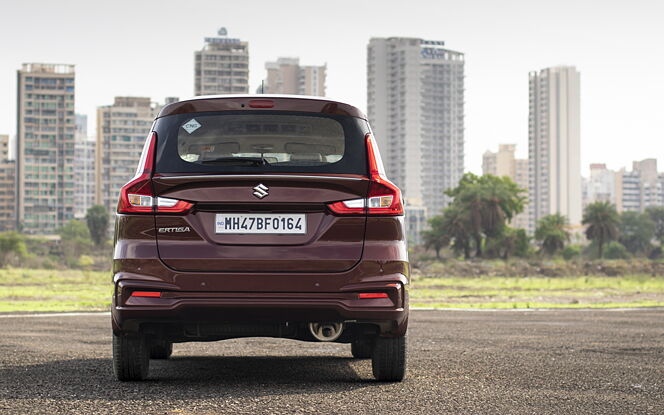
84 153
7 187
45 147
122 129
222 66
286 76
415 93
554 144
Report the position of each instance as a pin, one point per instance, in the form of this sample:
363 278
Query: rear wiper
256 161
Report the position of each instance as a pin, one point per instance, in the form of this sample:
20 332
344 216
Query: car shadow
193 377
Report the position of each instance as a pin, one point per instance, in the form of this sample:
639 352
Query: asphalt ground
460 362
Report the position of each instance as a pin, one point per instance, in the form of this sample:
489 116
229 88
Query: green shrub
615 250
571 252
12 248
85 261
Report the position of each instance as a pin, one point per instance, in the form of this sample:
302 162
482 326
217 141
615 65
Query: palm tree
436 237
468 207
602 222
453 226
488 202
552 233
502 200
456 224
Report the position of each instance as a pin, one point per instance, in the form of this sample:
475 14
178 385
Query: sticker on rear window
191 126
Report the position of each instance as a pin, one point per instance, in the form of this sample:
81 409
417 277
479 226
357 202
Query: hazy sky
145 48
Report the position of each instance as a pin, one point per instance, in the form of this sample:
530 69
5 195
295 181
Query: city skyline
124 64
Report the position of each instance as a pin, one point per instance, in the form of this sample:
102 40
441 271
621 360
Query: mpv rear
260 216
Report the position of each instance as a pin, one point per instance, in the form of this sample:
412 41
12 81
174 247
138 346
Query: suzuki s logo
260 190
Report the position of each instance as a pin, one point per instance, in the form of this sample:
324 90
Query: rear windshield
260 141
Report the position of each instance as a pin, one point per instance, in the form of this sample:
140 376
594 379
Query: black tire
161 350
131 358
361 349
389 359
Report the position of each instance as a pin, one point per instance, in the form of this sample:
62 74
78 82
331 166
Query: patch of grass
54 290
538 292
27 290
534 305
642 283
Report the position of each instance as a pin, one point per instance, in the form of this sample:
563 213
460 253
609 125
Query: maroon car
260 216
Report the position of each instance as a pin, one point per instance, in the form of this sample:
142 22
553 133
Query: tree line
476 223
81 244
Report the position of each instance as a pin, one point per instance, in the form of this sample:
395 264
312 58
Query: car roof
303 103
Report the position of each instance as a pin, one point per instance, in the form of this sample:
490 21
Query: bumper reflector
371 295
146 294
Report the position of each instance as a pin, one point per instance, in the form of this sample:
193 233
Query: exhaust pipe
326 332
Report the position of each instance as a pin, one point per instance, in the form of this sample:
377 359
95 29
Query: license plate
260 223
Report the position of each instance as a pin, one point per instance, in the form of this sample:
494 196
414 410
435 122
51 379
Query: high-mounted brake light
384 198
137 196
152 294
261 103
362 296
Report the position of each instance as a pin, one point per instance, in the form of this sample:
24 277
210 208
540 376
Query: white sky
145 48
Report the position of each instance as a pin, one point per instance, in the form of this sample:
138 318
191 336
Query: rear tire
131 357
389 359
361 349
161 350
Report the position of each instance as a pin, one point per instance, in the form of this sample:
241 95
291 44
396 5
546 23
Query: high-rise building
7 187
222 66
500 163
415 94
312 80
554 144
121 132
84 167
650 184
628 191
635 190
45 147
503 163
286 76
601 185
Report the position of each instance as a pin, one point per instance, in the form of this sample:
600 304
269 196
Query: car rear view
260 216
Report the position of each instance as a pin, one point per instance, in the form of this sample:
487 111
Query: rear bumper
389 315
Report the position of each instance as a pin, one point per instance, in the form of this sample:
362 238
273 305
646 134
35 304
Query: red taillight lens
166 205
384 197
146 162
258 103
348 207
371 295
152 294
137 195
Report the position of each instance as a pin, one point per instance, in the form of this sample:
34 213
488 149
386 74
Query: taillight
384 197
166 205
137 195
